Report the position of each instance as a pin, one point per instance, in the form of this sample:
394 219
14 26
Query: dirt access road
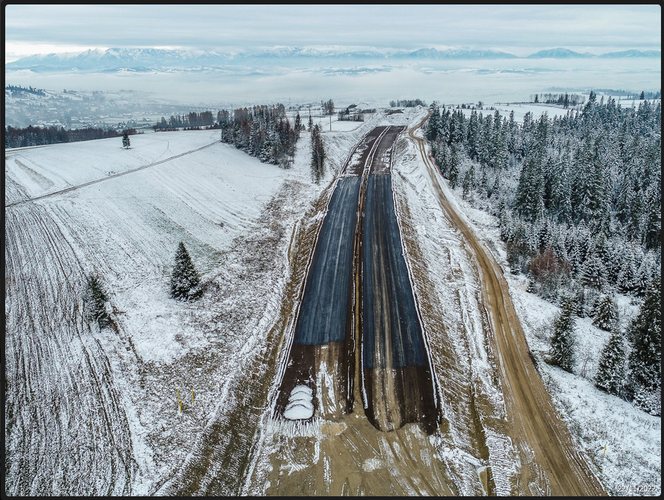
550 461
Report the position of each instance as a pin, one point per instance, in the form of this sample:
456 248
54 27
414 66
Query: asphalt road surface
324 343
391 336
324 307
396 376
397 379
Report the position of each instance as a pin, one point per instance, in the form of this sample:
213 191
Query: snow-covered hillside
95 412
126 229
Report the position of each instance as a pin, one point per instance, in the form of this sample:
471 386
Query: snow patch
300 404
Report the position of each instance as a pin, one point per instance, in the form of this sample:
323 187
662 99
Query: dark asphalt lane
324 308
383 154
365 148
389 315
324 320
397 381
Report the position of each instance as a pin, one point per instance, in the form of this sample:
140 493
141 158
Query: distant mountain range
97 60
566 54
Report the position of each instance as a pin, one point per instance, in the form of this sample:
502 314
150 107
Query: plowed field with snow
92 411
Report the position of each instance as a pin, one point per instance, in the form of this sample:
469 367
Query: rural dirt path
551 463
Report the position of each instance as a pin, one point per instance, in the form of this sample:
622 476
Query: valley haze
295 74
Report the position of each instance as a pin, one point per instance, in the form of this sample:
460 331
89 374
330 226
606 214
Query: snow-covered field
92 411
45 169
126 229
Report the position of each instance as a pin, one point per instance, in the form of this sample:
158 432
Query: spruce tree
125 140
484 185
468 181
562 341
652 217
501 154
317 155
473 136
95 302
441 155
606 314
185 283
645 362
626 279
563 193
454 167
433 125
496 186
593 273
298 124
529 197
610 374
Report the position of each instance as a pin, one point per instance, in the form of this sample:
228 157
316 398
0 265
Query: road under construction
358 318
360 365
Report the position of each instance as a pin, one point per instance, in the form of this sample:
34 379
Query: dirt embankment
551 463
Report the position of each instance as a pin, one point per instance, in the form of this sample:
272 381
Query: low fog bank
156 94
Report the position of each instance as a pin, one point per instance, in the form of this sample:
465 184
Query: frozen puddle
300 404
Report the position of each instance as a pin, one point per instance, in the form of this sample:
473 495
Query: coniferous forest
262 131
578 200
38 136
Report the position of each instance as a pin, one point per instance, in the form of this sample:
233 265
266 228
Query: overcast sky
31 29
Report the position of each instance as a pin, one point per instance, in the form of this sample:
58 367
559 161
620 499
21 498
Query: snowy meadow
236 216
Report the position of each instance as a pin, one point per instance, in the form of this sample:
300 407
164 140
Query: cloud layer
513 28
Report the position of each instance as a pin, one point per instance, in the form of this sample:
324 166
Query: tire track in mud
66 431
550 462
